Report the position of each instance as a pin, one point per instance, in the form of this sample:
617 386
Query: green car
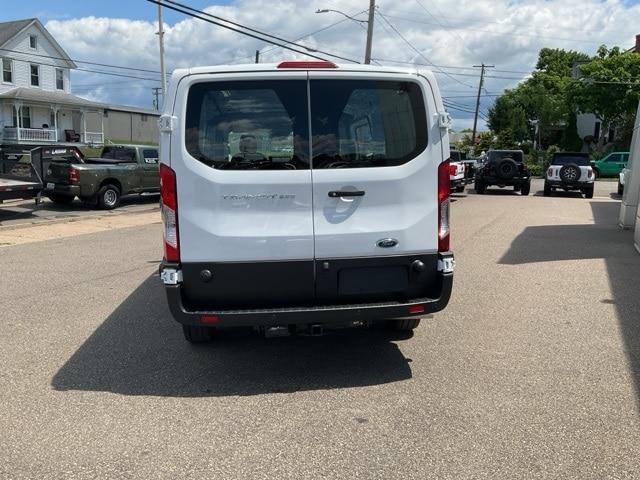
611 165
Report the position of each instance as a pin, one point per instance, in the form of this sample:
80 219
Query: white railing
30 134
94 137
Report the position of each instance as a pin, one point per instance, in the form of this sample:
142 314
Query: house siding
22 55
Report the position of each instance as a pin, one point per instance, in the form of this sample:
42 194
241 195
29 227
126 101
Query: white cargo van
304 195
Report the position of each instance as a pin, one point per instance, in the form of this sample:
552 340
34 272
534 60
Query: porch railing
94 137
30 134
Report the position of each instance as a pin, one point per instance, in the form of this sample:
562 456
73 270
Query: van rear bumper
325 314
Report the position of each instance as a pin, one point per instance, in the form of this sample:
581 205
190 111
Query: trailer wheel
60 199
108 197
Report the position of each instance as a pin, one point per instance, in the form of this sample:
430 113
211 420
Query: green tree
610 88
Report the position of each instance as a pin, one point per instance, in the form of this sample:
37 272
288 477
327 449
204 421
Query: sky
505 33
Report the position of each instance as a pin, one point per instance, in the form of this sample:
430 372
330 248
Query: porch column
102 125
54 109
84 126
18 107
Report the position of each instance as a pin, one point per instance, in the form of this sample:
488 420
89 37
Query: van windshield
249 125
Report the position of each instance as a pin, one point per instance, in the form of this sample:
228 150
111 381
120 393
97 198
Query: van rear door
244 190
376 151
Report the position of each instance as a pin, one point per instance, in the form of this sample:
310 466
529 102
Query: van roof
273 67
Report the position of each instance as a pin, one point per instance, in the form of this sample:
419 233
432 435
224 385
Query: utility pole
367 52
163 73
156 97
475 118
257 56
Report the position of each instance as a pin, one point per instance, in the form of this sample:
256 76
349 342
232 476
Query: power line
257 34
418 51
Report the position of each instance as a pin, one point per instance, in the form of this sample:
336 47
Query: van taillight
443 206
169 199
74 175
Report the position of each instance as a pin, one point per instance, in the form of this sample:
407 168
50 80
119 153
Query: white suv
569 171
304 195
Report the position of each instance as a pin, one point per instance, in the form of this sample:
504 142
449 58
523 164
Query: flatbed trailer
18 177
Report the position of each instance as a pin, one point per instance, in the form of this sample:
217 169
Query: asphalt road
533 371
19 212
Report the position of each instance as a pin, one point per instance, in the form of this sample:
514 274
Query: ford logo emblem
387 243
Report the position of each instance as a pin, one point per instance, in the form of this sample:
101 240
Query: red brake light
307 64
169 199
444 189
589 172
452 169
74 175
209 319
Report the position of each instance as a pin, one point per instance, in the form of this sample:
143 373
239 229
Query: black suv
504 168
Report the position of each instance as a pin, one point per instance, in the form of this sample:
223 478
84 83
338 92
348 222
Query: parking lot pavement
20 212
533 371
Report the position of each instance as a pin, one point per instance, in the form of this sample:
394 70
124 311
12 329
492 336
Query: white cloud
505 33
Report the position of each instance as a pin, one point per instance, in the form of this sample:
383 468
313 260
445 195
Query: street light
369 22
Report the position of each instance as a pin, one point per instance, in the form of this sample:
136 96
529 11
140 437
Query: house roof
131 109
9 30
45 96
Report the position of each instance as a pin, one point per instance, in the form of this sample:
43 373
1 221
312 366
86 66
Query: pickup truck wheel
403 325
525 189
108 197
588 192
60 199
460 189
195 334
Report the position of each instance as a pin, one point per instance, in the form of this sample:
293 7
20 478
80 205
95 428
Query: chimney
637 49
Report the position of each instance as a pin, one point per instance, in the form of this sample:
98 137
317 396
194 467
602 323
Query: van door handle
341 193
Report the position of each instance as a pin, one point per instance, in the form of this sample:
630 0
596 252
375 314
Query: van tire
108 197
405 325
195 334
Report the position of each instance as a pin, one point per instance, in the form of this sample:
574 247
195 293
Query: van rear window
249 125
366 123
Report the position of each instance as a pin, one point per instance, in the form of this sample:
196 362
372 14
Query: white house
36 106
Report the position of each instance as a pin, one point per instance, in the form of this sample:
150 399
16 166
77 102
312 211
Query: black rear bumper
489 180
369 312
569 185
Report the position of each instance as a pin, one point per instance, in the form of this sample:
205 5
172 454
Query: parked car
611 165
622 179
253 238
456 172
569 171
120 170
503 168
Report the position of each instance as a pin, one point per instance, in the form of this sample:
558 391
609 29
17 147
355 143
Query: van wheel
195 334
403 325
108 197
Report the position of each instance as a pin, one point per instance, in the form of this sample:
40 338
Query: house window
26 117
52 119
33 41
35 75
59 79
7 70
